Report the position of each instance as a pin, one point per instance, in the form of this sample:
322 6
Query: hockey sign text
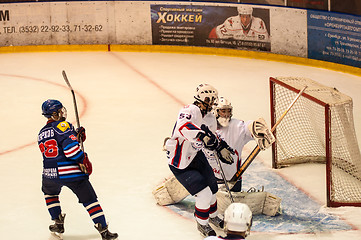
168 17
4 15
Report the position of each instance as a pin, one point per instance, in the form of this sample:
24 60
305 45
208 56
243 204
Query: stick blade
66 80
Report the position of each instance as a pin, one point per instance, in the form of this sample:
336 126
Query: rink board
300 213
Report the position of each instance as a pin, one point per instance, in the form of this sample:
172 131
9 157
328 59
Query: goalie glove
262 134
86 166
208 138
225 152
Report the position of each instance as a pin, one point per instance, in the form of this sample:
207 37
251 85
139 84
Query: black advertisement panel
310 4
241 27
346 6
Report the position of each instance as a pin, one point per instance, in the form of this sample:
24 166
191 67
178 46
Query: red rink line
47 82
148 79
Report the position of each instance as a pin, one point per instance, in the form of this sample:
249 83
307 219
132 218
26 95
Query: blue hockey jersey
61 152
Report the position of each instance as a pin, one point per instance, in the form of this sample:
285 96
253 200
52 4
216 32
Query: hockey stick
224 179
256 150
75 106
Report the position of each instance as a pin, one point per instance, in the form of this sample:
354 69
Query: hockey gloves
86 166
208 138
225 152
211 142
80 134
261 133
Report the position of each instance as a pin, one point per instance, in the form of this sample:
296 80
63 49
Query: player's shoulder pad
229 22
187 108
194 110
63 126
258 23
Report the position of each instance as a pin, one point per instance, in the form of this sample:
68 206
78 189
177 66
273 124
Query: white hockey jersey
184 144
232 29
237 135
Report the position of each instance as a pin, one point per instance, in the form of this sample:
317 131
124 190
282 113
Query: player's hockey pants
197 176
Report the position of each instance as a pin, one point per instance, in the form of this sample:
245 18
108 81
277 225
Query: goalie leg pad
170 192
259 202
162 196
272 205
255 200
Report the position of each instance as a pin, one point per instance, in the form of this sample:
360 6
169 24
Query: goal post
318 129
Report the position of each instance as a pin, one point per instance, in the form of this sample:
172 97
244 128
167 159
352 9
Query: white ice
128 104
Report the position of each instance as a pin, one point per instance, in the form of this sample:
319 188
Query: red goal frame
328 146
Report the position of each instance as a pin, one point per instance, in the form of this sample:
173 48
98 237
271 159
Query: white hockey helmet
238 218
224 104
245 10
206 94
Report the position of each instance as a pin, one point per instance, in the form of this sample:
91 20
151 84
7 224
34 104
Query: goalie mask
54 109
207 95
238 218
223 111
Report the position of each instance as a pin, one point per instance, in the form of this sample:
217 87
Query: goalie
237 134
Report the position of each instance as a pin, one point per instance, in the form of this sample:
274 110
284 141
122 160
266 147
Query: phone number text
53 29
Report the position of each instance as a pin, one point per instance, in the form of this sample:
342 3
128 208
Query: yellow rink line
187 50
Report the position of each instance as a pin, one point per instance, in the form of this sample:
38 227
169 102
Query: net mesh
301 136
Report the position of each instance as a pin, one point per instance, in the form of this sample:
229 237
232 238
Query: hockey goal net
319 128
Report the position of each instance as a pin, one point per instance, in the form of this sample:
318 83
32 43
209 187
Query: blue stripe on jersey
191 126
178 155
77 156
67 147
71 176
66 163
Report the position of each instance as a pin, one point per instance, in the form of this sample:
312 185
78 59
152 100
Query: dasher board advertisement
334 37
239 27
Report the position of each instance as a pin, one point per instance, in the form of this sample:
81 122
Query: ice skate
104 232
206 230
217 221
57 229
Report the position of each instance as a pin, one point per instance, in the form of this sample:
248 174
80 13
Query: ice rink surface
128 103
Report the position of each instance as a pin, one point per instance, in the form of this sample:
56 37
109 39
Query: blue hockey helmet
50 106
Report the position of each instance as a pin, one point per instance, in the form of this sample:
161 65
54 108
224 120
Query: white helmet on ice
238 218
245 10
207 95
223 104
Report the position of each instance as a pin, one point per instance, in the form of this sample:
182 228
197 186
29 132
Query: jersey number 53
185 115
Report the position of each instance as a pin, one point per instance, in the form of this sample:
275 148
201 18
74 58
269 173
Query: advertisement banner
334 37
241 27
53 23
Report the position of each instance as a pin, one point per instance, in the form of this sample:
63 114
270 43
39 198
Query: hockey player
237 134
237 222
188 162
244 26
65 164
